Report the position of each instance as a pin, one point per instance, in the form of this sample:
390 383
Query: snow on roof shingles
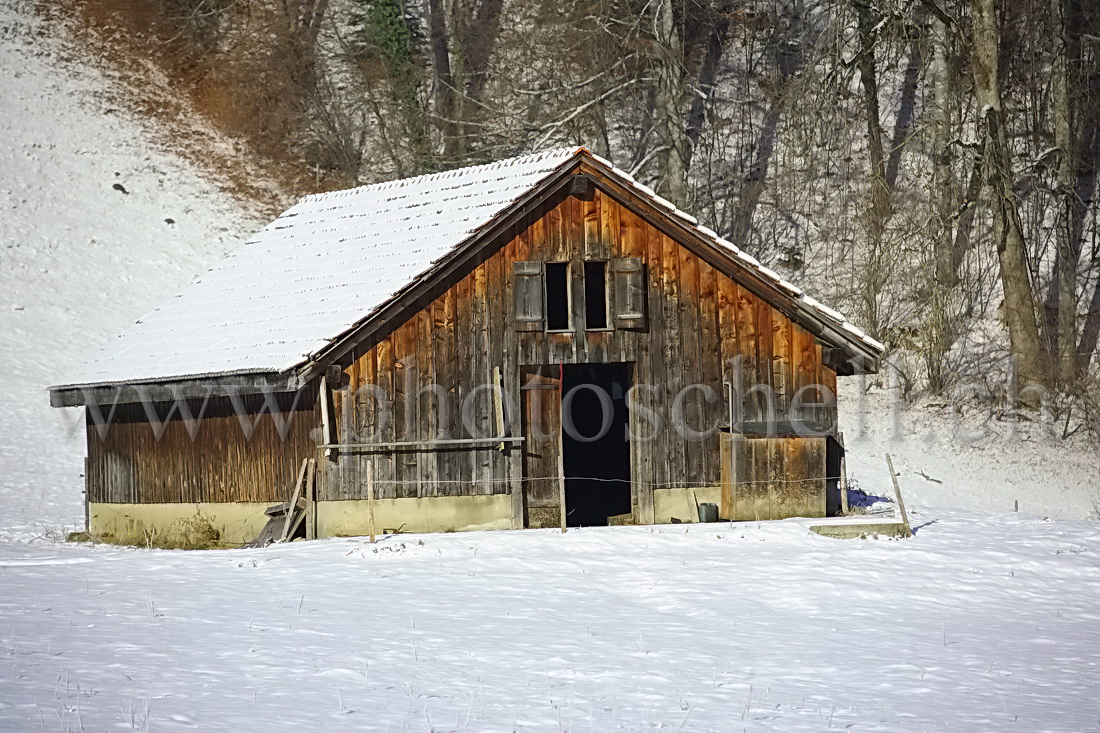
312 273
332 259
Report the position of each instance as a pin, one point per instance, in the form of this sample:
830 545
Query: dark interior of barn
596 451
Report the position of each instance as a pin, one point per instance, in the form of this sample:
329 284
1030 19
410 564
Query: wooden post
370 498
561 446
326 417
311 500
897 492
561 484
498 406
843 475
293 506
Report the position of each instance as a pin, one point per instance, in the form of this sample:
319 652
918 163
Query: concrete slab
851 531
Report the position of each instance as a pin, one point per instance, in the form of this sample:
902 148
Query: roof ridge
470 170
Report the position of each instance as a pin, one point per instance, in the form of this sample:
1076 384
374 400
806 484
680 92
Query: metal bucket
708 512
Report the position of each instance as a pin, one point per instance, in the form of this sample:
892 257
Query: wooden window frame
569 325
609 316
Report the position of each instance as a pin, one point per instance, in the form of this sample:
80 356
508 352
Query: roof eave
195 386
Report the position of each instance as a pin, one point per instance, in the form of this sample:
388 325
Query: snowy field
979 623
986 620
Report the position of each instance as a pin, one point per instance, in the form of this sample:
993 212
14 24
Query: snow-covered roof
333 259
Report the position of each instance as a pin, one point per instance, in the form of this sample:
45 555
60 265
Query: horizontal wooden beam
425 444
167 391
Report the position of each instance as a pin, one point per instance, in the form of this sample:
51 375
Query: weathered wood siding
698 319
773 477
130 464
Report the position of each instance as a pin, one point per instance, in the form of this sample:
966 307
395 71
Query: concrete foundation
678 503
236 522
426 514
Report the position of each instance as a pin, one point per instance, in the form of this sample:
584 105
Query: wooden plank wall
699 319
131 465
773 477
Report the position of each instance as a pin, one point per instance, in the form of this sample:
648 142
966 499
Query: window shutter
628 276
527 277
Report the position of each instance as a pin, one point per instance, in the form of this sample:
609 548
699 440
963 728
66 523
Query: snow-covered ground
979 623
985 620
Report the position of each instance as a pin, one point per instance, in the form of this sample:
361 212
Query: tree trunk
439 42
1019 299
478 41
789 57
1086 191
907 103
879 212
704 85
670 127
1065 196
939 326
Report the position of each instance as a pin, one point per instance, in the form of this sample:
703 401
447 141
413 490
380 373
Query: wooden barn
537 341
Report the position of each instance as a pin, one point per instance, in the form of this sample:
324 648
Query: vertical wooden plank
480 356
461 463
655 372
637 348
764 354
807 371
781 362
406 386
815 471
746 337
761 479
573 250
601 236
798 378
695 466
729 444
385 468
509 359
782 491
728 347
367 407
428 402
554 233
673 357
828 381
441 340
709 353
350 428
497 337
370 501
632 235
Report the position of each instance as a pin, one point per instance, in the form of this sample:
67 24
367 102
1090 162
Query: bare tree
1019 299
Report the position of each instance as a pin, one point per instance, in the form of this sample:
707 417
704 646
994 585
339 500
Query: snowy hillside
98 226
958 456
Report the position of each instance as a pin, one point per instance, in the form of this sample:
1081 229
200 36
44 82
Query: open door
584 461
596 443
542 457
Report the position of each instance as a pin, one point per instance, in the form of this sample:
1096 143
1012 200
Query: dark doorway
595 442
